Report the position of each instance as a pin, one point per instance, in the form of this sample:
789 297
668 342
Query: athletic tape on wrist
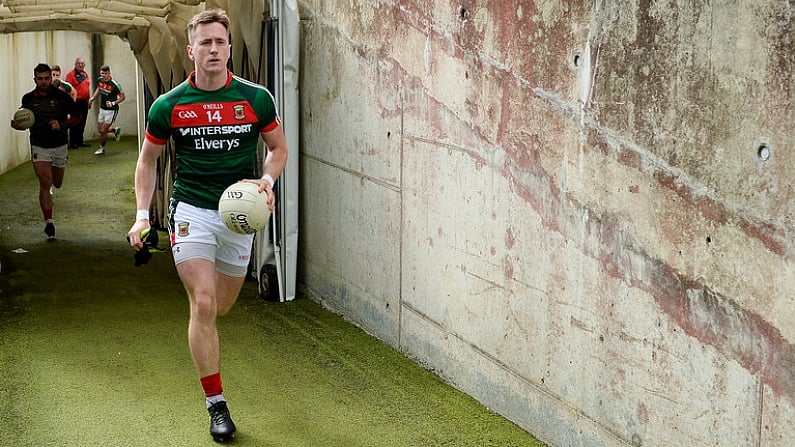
269 179
142 214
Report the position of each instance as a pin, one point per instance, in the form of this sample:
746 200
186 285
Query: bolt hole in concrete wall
580 206
763 152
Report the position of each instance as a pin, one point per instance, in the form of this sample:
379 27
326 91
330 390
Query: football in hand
24 118
243 208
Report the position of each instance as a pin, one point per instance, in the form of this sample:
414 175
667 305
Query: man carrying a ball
214 120
54 112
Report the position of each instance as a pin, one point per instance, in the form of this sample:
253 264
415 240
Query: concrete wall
62 48
580 213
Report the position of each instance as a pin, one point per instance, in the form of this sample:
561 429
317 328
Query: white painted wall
62 48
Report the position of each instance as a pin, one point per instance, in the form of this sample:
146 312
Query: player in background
61 84
215 120
64 86
111 95
55 112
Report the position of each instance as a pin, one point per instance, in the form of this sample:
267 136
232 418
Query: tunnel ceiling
155 29
103 16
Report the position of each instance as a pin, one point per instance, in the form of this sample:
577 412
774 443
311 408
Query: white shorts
107 116
199 233
55 155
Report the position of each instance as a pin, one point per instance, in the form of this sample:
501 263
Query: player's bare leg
103 129
44 172
57 176
211 295
227 290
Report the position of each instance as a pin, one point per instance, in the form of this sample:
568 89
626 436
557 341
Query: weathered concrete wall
561 208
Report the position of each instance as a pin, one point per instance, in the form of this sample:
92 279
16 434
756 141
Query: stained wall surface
580 213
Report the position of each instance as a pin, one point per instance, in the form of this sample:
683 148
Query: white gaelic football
243 208
24 118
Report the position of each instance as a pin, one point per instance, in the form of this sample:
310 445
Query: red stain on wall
702 313
508 268
510 239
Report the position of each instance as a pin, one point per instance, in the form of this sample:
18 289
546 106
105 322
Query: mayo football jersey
109 91
215 135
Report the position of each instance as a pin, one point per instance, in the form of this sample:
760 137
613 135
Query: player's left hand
265 187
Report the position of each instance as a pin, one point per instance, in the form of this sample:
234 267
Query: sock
48 215
212 400
213 388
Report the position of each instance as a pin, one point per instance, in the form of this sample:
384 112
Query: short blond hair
208 16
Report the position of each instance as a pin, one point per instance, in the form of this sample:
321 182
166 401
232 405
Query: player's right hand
134 235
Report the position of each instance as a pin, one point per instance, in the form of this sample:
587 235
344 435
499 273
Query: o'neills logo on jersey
240 111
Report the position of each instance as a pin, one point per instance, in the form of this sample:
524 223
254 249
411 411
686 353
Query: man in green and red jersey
111 95
60 84
215 120
55 112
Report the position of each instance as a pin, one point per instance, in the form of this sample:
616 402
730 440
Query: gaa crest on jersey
183 229
240 111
